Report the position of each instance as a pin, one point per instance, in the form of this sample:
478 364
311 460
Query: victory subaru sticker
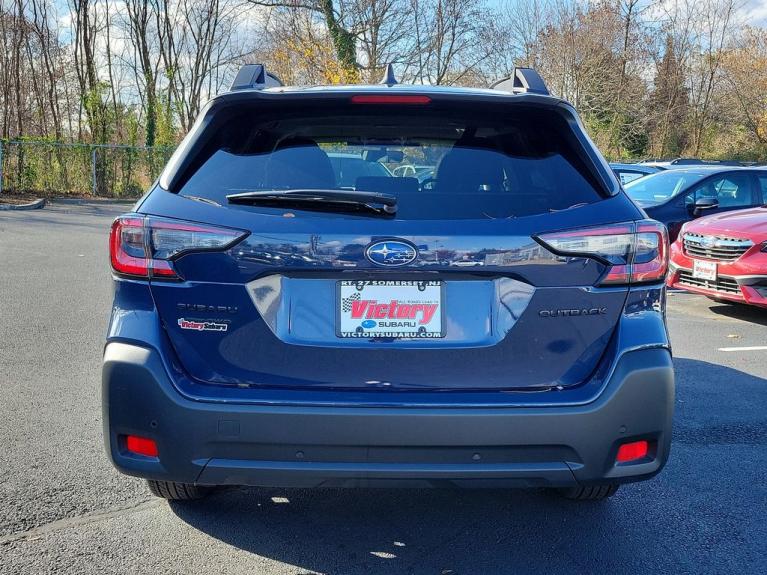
195 325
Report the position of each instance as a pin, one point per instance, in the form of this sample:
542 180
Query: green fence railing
104 170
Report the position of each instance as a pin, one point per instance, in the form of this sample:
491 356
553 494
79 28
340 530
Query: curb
36 205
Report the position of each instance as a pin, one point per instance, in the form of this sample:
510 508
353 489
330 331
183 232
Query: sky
755 12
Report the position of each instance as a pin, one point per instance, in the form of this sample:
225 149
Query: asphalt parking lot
64 509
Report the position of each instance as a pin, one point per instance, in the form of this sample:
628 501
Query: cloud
754 13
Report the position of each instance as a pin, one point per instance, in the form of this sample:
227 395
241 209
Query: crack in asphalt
77 521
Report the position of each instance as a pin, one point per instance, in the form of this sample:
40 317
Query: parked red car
723 256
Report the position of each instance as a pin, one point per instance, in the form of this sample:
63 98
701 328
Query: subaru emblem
391 253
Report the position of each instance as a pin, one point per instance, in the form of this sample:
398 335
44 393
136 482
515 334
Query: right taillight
146 246
635 252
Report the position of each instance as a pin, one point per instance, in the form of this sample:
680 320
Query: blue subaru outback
277 322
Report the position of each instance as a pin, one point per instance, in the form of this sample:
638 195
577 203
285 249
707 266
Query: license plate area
704 270
390 309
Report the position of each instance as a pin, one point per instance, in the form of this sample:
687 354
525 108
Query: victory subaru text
289 312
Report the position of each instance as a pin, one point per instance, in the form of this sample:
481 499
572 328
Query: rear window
659 188
441 162
348 168
627 176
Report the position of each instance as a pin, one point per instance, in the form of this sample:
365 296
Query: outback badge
572 312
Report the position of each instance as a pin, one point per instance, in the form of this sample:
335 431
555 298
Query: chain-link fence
79 169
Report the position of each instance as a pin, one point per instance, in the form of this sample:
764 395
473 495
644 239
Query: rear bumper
271 445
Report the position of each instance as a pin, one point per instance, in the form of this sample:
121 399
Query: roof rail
254 76
522 81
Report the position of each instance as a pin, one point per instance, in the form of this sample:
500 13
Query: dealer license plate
390 309
704 270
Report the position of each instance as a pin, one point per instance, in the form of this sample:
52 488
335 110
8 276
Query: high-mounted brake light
393 99
145 246
635 252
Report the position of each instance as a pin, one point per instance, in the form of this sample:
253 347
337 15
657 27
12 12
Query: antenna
254 76
389 79
523 81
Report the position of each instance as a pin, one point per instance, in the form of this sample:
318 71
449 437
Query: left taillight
146 246
634 252
650 262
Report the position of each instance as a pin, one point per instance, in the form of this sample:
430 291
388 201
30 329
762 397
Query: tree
343 40
449 42
745 77
669 105
141 17
195 43
678 77
298 50
714 21
383 33
592 55
86 25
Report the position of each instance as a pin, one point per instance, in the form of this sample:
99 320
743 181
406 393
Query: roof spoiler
254 76
522 81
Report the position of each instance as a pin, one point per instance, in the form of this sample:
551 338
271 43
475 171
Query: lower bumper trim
326 474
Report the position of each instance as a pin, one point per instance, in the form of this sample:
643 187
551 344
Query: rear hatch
474 280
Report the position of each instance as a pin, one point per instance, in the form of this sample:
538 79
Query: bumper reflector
632 451
141 445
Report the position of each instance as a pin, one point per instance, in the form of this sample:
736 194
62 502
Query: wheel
589 492
173 491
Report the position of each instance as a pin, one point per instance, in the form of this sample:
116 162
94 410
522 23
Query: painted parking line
745 348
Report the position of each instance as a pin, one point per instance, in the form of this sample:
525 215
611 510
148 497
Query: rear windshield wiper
321 200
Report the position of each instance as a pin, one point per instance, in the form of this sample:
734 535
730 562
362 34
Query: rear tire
589 492
173 491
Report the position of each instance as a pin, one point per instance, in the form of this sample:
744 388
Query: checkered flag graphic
347 302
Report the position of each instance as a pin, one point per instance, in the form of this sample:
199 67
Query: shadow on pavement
743 312
367 531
